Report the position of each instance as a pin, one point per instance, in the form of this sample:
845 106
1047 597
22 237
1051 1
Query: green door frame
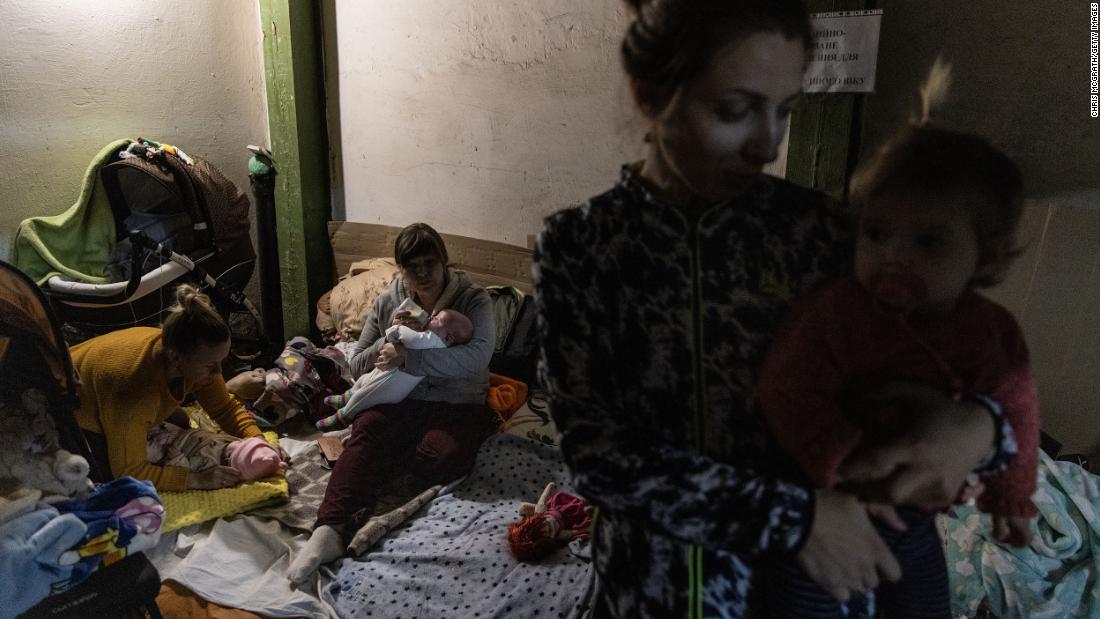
825 131
296 121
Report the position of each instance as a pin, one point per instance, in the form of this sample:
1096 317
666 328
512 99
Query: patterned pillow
532 421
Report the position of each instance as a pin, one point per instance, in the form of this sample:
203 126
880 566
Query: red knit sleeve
801 385
1013 387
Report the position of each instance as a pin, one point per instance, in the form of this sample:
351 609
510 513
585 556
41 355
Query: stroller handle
176 265
115 291
106 295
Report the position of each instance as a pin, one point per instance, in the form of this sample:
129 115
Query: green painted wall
295 95
825 130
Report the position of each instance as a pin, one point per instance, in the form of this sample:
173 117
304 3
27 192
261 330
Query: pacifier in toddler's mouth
898 291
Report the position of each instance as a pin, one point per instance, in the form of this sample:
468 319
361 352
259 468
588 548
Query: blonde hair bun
193 321
189 300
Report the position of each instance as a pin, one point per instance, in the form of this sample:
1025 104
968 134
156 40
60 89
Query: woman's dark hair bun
670 42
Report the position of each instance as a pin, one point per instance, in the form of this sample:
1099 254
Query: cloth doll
557 519
247 386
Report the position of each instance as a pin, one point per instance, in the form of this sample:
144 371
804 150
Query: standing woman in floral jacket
657 302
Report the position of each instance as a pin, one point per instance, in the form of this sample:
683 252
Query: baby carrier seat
33 355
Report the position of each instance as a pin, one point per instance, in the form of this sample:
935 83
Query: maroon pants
436 440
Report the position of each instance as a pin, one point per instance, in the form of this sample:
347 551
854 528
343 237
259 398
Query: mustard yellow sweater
124 391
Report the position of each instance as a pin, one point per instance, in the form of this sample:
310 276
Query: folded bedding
240 562
197 506
306 480
1055 576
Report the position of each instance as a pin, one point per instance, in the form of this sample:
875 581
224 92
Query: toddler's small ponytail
933 92
928 160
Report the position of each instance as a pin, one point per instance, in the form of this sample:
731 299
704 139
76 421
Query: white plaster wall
480 117
1021 80
77 75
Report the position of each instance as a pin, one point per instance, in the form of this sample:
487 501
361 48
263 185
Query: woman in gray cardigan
437 430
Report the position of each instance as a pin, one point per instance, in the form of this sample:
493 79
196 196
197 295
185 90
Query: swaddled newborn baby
446 328
198 450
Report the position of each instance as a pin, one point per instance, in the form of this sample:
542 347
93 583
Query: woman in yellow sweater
136 378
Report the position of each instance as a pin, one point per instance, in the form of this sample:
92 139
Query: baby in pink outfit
254 458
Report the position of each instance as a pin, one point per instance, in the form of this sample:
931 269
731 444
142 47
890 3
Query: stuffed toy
248 386
557 519
30 457
302 378
378 526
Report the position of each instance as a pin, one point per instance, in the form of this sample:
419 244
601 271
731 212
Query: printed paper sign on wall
845 52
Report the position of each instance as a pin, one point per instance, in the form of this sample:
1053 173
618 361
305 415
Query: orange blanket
179 602
506 395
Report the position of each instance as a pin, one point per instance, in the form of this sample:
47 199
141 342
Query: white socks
326 544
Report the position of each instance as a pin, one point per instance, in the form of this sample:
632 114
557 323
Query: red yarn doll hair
548 525
530 538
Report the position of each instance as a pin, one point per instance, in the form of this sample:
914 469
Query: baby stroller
33 356
172 218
